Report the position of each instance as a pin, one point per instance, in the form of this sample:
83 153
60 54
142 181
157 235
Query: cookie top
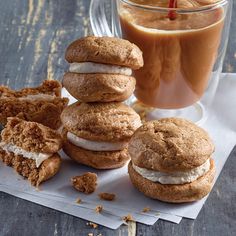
101 121
170 145
107 50
31 136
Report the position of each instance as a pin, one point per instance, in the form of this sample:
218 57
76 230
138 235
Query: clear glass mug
183 56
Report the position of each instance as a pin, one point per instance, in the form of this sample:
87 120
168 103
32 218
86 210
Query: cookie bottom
97 160
99 87
27 167
176 193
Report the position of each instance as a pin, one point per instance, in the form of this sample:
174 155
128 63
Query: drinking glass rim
178 10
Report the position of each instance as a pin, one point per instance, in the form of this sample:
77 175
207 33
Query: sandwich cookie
97 134
42 104
101 68
171 160
31 149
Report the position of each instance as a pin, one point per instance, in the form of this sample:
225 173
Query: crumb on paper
107 196
158 213
146 209
128 218
92 224
99 208
85 183
78 201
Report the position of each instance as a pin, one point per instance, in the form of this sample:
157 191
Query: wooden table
34 35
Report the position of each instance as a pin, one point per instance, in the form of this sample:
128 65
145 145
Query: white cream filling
38 157
176 177
37 97
91 68
94 145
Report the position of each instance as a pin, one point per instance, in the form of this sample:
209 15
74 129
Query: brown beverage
178 54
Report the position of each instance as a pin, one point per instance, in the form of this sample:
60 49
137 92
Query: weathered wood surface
34 34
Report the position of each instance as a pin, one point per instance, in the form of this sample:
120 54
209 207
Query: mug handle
99 19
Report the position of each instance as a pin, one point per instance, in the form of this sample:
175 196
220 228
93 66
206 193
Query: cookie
169 145
171 160
106 50
178 193
48 87
31 149
99 87
109 122
41 104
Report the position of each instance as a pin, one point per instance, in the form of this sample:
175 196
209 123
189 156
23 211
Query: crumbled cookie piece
41 104
107 196
146 209
99 208
127 218
90 234
92 224
31 136
78 201
85 183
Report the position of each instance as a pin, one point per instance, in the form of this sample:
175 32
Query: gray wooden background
33 38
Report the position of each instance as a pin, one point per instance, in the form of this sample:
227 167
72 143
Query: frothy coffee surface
178 54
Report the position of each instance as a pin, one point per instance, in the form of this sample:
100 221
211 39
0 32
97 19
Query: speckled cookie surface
107 50
101 121
31 136
97 160
169 145
99 87
178 193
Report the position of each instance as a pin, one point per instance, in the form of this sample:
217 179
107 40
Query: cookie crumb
127 218
85 183
107 196
78 201
90 234
99 208
92 224
99 234
146 209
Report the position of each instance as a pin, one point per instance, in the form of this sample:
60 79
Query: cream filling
176 177
38 157
94 145
91 68
37 97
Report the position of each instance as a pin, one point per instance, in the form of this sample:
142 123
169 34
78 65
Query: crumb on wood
78 201
99 208
92 224
128 218
146 209
107 196
85 183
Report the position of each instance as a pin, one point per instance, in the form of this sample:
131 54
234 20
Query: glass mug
183 50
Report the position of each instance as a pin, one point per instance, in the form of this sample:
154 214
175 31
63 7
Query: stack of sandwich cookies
31 149
100 69
171 160
97 130
42 104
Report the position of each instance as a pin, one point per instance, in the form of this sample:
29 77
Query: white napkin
58 193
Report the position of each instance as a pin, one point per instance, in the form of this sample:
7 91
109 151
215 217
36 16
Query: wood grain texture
34 35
